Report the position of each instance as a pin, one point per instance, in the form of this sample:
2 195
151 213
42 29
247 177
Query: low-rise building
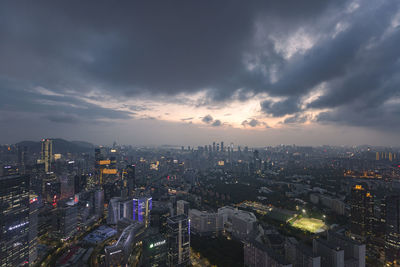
118 254
257 254
300 255
339 251
239 223
202 222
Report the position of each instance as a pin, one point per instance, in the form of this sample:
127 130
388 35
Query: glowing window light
17 226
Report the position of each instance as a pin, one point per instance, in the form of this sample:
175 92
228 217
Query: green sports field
310 224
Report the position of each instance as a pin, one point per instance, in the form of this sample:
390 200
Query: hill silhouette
60 146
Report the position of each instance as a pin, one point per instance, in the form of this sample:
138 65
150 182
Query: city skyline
200 133
257 74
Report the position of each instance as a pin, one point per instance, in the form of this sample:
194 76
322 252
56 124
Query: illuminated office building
141 209
104 166
22 151
33 228
10 170
52 191
154 251
120 253
178 241
14 220
66 219
136 209
79 183
362 212
392 230
47 154
99 159
99 202
130 179
159 216
182 207
119 208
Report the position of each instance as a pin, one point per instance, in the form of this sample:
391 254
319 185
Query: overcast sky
259 73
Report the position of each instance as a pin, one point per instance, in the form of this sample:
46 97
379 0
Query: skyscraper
66 219
22 151
98 156
33 228
130 177
141 209
362 212
154 250
79 183
99 202
392 229
14 220
182 207
136 209
178 241
47 154
103 165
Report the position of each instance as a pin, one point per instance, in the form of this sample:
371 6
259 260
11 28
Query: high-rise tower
104 165
14 221
47 154
130 179
392 229
362 212
178 241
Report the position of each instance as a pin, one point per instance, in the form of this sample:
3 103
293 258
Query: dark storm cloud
362 95
136 107
216 123
62 118
187 119
297 118
253 123
56 108
280 108
207 119
359 68
136 47
130 49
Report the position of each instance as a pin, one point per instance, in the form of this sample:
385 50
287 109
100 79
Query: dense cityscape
73 204
200 133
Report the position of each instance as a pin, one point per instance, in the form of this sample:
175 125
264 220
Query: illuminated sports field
310 224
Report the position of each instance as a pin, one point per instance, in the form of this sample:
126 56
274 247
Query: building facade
178 238
47 154
362 212
14 220
392 230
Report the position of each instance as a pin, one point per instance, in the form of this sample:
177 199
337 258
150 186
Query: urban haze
200 133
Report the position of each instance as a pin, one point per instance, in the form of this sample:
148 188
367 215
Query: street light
304 211
323 216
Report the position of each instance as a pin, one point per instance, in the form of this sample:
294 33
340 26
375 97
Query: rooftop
100 234
178 218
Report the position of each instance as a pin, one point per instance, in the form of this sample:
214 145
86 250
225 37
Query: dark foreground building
392 230
178 241
14 220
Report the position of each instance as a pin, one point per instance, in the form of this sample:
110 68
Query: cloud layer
321 62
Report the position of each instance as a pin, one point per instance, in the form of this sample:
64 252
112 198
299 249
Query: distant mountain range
60 146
